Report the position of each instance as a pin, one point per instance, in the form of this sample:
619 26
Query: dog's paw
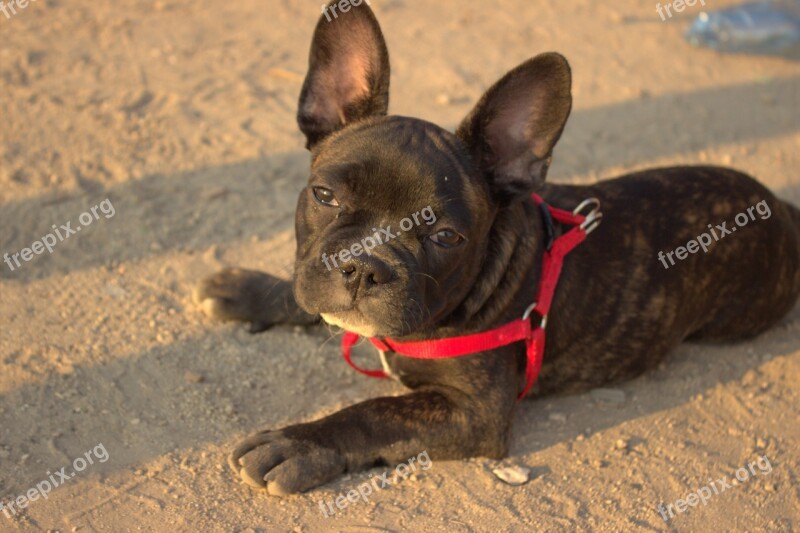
244 295
285 465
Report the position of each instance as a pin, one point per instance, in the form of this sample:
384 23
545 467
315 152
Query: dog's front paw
244 295
285 464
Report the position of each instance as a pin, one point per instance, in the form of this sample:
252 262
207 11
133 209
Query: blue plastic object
759 27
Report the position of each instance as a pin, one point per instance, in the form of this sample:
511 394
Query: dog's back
698 253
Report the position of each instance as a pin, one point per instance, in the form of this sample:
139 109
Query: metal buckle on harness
594 216
527 314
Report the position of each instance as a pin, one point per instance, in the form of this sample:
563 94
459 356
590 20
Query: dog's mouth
351 320
378 310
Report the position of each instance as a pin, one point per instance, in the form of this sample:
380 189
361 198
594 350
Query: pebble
558 417
115 290
513 475
615 396
193 377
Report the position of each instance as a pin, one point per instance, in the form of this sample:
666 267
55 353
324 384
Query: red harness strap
515 331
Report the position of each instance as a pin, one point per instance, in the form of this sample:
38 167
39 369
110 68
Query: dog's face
389 226
392 227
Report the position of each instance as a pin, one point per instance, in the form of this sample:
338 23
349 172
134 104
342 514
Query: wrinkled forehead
403 160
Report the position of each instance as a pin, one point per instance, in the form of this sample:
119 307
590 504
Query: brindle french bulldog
619 306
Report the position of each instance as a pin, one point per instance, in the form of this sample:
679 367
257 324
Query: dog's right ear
348 72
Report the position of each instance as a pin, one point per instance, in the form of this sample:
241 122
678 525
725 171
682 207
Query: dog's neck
512 261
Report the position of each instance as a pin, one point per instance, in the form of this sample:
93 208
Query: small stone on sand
513 475
193 377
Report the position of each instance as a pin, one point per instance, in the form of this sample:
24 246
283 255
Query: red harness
515 331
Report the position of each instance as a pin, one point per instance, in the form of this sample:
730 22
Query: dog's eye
447 238
325 197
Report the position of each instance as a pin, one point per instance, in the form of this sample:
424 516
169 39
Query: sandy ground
181 114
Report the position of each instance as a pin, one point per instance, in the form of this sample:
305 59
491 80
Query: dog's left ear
348 72
512 130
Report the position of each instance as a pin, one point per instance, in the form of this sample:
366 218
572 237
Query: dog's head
392 227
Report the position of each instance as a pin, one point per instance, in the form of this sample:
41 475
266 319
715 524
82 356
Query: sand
181 114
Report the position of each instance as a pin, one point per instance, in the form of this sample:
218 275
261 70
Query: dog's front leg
445 423
250 296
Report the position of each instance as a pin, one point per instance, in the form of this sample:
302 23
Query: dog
618 309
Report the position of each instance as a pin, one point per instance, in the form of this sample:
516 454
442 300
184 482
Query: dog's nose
364 273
